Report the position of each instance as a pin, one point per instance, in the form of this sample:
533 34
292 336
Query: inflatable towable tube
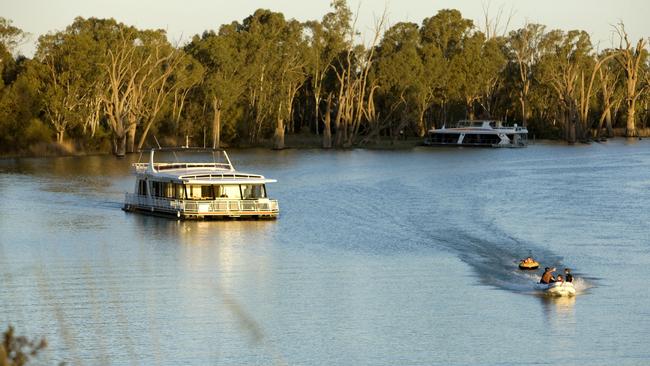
528 265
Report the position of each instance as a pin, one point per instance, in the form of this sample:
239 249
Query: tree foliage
100 84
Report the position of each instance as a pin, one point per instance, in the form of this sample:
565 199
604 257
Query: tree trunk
130 138
470 110
119 146
337 123
316 113
630 127
608 123
327 133
422 129
278 137
523 112
216 123
572 128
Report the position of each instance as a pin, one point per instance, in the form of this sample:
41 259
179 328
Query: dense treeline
100 85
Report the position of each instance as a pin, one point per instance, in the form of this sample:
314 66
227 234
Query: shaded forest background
103 86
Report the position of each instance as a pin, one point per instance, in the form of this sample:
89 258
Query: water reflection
559 312
559 305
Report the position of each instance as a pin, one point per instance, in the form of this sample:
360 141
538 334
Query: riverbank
293 141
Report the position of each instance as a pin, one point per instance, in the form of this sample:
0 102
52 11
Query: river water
378 258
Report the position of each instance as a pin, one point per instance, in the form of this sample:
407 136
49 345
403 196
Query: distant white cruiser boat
489 133
192 188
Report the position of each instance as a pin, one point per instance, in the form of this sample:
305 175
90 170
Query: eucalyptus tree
273 59
477 68
442 38
186 78
291 76
20 99
63 87
631 59
355 100
10 37
566 56
73 78
326 41
20 107
163 66
139 73
223 58
122 68
525 51
492 80
585 91
611 92
400 71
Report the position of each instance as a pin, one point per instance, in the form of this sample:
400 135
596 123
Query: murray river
404 257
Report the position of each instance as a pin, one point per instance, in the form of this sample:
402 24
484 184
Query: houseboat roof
485 125
218 171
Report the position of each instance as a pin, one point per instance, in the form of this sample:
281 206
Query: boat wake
495 262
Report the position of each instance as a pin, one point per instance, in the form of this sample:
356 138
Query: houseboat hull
202 210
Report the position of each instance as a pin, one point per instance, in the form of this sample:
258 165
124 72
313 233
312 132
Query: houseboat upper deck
193 187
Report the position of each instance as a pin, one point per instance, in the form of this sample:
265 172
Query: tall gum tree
225 78
566 56
326 40
442 37
523 45
399 70
631 59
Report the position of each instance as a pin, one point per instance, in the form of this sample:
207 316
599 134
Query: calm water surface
378 258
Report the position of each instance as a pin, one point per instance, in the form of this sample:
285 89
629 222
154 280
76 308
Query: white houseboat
190 187
489 133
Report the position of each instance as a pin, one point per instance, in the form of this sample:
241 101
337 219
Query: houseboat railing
142 167
224 206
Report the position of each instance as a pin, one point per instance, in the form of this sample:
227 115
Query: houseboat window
230 191
169 190
220 192
155 186
142 187
253 191
200 192
162 189
179 191
207 192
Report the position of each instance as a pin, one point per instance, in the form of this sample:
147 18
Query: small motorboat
558 289
528 264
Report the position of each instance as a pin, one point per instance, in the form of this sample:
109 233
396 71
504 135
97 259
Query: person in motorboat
547 277
559 279
568 275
